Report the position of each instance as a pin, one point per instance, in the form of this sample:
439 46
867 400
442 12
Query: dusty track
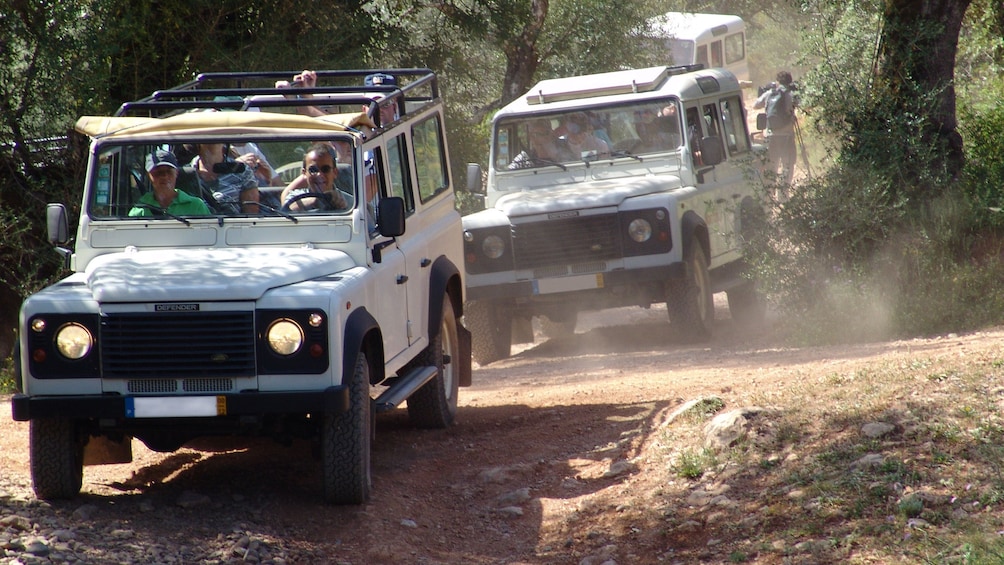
557 431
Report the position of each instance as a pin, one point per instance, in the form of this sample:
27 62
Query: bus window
716 54
735 48
702 55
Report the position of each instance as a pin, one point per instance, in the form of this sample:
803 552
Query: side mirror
57 224
474 182
390 216
711 151
761 121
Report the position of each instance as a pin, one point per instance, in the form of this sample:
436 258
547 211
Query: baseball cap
161 157
380 79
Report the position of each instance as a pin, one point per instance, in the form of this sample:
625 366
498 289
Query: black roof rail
243 90
681 69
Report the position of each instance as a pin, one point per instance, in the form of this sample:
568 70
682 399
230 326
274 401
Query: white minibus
716 40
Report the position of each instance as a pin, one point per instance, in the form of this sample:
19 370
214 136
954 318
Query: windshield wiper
627 154
276 211
158 212
540 161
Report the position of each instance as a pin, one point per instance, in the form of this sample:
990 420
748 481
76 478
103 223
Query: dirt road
551 450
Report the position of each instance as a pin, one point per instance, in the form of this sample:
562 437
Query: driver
316 177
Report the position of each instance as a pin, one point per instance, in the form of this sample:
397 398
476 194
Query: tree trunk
919 43
521 54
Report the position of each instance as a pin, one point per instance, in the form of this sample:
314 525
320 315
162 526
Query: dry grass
807 485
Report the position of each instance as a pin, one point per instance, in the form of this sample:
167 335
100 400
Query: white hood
205 274
595 194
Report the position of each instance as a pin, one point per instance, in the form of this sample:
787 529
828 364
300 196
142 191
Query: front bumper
606 281
333 400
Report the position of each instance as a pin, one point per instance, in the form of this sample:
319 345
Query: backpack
780 109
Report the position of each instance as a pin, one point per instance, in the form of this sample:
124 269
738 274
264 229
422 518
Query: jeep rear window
121 186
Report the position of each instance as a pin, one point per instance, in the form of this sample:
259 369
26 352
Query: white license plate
568 284
175 406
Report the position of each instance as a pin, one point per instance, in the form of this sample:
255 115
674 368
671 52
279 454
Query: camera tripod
801 148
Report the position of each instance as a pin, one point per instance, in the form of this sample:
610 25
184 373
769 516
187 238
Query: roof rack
242 91
604 84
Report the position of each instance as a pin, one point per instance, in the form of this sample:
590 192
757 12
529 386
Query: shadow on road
487 480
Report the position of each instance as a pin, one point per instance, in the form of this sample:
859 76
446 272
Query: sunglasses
315 170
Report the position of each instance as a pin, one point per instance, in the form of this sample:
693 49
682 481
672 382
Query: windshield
587 134
214 177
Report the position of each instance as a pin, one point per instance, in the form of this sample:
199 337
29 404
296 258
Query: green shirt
183 204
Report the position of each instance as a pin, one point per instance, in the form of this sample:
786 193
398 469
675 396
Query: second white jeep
617 189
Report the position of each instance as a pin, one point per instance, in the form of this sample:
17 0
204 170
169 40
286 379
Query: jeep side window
734 123
431 169
711 121
372 183
694 132
400 180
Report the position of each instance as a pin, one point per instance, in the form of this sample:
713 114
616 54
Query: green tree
47 68
165 43
61 60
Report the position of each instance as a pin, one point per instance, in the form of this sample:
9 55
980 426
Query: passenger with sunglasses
316 180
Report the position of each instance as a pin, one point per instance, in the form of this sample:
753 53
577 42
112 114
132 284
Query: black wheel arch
445 280
693 227
362 334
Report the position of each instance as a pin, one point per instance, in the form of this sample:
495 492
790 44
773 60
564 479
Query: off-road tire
690 302
346 440
435 404
57 458
491 331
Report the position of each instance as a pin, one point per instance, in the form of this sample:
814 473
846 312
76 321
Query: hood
594 194
205 274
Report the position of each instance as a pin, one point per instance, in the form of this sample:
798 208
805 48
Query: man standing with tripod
780 108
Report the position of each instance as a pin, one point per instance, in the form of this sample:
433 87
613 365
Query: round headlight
640 230
74 341
284 337
493 247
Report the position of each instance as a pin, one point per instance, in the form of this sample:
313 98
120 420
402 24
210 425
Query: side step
404 387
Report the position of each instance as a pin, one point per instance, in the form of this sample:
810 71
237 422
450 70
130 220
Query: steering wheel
322 202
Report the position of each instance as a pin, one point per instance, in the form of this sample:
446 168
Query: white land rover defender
609 190
258 317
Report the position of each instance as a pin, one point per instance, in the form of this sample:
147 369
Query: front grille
177 345
207 385
152 386
586 239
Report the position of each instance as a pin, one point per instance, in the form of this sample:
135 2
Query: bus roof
689 26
